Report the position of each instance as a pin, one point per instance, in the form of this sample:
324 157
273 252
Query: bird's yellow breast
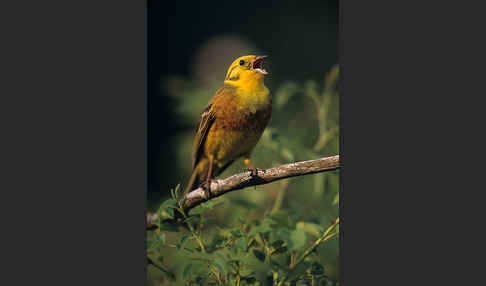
253 100
242 113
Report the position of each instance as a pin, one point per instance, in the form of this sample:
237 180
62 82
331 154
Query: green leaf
280 250
285 235
211 204
321 281
298 270
216 241
310 228
176 190
162 237
243 202
260 255
220 256
220 265
155 242
275 265
166 209
317 269
169 202
278 243
280 219
237 232
183 239
181 242
165 271
332 76
336 199
278 247
187 271
310 88
171 275
249 280
247 272
191 219
196 211
169 227
241 243
295 239
298 238
209 219
207 205
263 227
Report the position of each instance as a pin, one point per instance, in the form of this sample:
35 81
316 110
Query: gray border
74 144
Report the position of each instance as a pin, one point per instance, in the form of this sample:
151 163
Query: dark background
299 36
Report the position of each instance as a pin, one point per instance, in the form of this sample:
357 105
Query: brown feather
208 117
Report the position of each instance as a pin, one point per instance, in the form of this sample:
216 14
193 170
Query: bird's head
246 69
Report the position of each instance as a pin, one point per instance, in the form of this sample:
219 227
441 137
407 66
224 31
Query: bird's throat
248 83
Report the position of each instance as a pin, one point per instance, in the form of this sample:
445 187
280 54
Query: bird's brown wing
207 118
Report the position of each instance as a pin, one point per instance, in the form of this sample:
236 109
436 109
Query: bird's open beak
258 65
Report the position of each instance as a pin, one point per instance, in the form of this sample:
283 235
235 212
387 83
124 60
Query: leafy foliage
279 234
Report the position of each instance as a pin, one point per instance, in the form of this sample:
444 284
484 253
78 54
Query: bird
232 122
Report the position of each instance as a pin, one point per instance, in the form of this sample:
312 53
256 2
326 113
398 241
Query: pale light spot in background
214 57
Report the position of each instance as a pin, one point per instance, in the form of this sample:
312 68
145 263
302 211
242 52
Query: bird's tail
193 182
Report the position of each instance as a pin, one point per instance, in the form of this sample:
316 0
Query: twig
167 272
321 239
324 237
243 180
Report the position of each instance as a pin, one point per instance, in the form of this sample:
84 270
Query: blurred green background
190 47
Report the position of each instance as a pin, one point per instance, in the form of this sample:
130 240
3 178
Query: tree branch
243 180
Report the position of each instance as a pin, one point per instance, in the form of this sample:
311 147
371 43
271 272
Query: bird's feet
207 188
254 171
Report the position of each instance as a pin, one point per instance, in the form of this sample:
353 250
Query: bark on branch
243 180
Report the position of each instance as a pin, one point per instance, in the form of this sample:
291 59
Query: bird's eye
242 62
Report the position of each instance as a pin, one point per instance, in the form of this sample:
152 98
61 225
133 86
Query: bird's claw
254 171
207 188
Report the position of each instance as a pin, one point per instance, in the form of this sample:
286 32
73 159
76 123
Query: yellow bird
232 122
